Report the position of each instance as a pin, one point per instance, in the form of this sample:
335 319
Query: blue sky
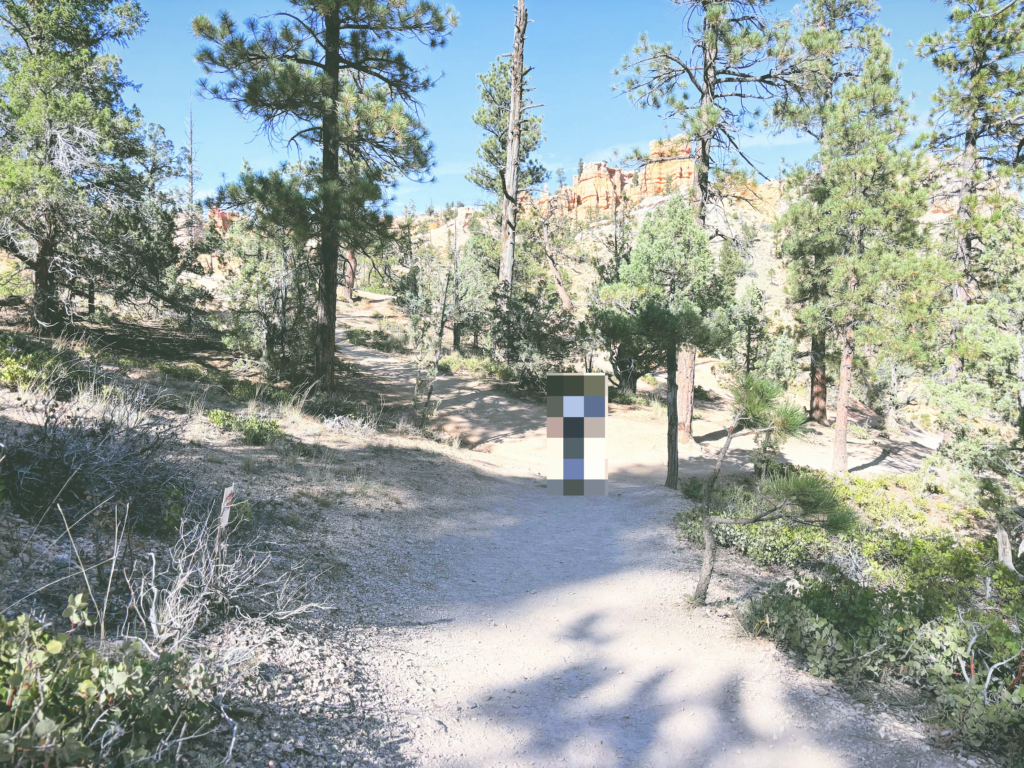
573 46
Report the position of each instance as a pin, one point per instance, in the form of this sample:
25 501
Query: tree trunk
964 247
557 277
1004 546
44 297
672 477
687 373
327 288
707 566
457 337
839 458
510 183
1020 383
819 383
348 285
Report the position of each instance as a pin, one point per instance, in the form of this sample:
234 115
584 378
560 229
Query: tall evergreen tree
81 177
669 291
732 64
830 48
492 119
857 211
976 126
332 74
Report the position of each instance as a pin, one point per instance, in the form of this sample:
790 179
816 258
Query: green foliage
534 333
192 371
377 338
255 430
270 293
247 391
481 366
24 360
971 661
66 704
492 118
82 177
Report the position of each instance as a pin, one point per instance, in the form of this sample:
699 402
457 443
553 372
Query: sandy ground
506 627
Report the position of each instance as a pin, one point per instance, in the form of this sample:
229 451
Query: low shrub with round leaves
255 430
64 703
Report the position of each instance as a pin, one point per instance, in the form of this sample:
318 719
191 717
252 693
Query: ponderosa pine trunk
687 375
457 337
44 296
964 245
327 287
348 285
819 382
671 403
839 456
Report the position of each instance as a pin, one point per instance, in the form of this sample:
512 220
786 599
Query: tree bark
510 183
457 336
672 477
964 245
1004 547
327 288
559 285
687 374
44 296
819 382
839 457
348 285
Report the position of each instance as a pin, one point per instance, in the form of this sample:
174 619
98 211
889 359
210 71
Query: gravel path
511 628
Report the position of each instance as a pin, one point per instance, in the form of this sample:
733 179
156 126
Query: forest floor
506 627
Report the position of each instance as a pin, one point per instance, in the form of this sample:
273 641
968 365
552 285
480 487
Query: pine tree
976 126
734 61
670 289
331 74
81 176
492 118
831 48
857 214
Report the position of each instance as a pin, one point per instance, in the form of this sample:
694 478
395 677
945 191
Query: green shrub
247 391
649 379
255 430
769 543
378 339
477 366
192 371
692 488
66 704
24 360
972 661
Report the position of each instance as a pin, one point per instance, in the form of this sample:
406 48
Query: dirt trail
510 628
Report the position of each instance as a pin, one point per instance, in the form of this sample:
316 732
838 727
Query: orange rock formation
602 188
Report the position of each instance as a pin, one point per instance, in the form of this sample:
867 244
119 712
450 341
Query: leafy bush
479 366
256 430
768 543
973 662
192 371
247 391
24 361
378 339
67 704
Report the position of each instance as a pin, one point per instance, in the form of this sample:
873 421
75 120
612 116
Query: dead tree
510 179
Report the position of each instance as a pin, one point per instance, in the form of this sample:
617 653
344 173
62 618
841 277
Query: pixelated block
577 406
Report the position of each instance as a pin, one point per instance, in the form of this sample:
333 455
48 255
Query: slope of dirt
506 627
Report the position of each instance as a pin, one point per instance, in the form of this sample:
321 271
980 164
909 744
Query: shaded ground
511 628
